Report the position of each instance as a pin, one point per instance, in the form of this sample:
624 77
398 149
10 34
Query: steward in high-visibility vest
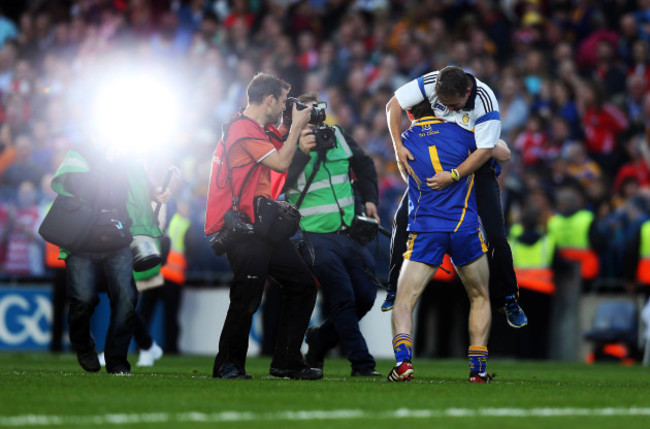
52 251
571 236
643 268
174 269
532 263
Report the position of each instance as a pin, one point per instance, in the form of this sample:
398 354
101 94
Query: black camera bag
68 222
275 220
237 224
107 233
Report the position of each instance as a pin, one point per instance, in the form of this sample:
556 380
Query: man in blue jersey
460 98
439 222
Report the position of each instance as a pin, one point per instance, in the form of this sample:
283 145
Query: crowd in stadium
572 79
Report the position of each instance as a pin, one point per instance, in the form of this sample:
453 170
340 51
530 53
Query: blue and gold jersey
439 146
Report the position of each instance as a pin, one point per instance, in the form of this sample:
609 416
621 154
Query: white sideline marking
243 416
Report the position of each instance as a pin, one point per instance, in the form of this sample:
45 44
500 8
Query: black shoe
314 357
365 372
88 360
119 370
303 373
230 371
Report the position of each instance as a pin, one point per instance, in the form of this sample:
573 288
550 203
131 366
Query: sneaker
232 372
366 372
401 372
514 314
303 373
149 356
102 359
475 377
315 356
88 360
389 302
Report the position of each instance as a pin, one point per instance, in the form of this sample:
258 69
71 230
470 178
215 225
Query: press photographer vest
225 181
329 201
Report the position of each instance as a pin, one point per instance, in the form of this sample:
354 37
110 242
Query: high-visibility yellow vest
174 268
532 263
643 269
571 236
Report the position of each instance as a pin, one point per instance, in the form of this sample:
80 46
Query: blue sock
403 347
477 356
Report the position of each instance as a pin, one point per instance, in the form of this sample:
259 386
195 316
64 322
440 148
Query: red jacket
601 128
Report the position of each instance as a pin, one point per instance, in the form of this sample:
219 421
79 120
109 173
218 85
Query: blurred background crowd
572 78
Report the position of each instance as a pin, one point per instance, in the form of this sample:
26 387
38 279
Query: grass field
46 390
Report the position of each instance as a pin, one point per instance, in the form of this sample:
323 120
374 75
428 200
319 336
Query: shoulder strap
319 160
226 128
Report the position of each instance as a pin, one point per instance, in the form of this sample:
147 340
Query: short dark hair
309 98
422 109
451 82
263 85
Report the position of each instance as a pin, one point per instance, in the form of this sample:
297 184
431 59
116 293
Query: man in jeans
107 181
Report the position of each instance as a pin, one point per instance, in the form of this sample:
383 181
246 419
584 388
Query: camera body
317 113
364 229
325 136
236 225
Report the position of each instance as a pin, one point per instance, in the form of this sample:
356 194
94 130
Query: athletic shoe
302 373
389 302
149 356
515 316
315 356
401 372
475 377
102 359
88 360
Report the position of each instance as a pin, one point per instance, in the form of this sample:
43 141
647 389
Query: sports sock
477 356
403 347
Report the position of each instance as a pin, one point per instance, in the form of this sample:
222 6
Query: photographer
320 184
115 193
240 194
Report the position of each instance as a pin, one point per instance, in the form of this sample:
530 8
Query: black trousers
503 281
170 295
252 259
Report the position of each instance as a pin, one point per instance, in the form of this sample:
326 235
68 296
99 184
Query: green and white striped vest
330 196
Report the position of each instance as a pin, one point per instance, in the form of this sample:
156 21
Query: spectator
23 167
24 246
602 122
513 105
579 165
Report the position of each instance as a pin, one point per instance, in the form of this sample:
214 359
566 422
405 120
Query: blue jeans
345 270
83 283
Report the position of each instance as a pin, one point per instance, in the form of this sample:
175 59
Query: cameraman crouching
240 194
319 184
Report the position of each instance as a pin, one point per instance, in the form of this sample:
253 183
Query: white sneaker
102 359
149 356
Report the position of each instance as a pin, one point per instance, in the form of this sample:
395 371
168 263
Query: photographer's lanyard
226 128
319 160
